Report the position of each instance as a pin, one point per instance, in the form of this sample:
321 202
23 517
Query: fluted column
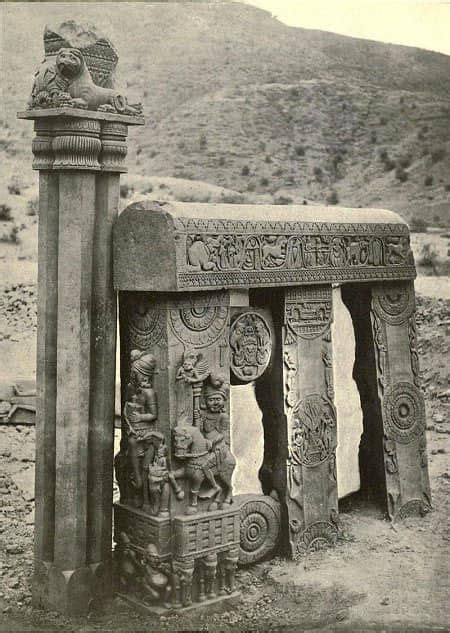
79 155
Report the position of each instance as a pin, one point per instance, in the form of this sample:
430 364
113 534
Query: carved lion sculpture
67 81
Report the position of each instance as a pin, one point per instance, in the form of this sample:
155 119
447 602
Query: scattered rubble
17 311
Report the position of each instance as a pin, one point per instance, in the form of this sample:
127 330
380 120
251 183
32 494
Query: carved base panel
140 529
164 564
168 609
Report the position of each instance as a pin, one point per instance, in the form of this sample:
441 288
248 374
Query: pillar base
72 592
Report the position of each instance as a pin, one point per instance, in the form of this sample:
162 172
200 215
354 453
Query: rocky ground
380 576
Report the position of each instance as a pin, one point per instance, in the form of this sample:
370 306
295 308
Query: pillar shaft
103 372
402 402
46 365
76 232
392 455
311 496
80 156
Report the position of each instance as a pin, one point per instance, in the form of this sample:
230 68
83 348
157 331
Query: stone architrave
79 154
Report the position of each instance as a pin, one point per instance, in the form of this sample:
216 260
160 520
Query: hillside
237 99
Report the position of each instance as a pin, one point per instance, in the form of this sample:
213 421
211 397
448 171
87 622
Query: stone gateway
210 295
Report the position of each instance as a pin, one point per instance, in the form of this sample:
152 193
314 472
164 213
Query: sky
421 23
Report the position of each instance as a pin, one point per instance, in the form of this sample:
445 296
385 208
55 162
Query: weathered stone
225 245
77 72
210 295
280 337
80 155
24 479
99 52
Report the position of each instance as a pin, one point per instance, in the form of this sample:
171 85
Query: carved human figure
194 369
213 417
204 464
160 479
155 580
128 565
214 420
140 415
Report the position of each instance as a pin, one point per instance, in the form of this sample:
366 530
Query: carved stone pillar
393 447
311 492
402 402
79 155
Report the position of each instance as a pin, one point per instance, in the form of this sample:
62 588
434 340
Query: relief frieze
213 253
235 251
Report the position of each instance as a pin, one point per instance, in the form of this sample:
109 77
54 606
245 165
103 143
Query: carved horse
205 460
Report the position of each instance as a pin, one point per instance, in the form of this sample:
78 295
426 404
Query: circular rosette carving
317 536
394 303
313 437
146 325
260 525
198 326
404 412
251 346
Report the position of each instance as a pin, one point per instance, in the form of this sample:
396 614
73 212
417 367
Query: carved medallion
307 312
198 326
260 524
146 325
313 437
404 412
396 304
317 536
251 346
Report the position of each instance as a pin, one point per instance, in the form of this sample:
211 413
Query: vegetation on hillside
239 100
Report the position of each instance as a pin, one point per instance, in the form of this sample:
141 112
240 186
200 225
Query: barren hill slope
238 99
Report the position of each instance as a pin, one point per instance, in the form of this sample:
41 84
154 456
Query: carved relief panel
311 418
236 253
402 403
175 358
175 458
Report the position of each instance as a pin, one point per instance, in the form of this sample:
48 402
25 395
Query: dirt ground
379 577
